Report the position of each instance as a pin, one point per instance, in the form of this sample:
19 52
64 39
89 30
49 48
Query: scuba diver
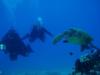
76 36
38 32
84 67
13 45
88 64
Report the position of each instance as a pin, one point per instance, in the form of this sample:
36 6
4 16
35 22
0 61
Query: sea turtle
75 36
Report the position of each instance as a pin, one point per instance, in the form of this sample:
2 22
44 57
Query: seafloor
32 72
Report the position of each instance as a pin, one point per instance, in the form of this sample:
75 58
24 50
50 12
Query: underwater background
57 15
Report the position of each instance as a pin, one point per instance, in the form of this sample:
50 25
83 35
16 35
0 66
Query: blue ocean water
57 15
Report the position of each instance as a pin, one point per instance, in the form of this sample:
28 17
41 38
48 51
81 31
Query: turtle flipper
60 37
57 39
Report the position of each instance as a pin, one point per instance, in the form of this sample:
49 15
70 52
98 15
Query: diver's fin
26 36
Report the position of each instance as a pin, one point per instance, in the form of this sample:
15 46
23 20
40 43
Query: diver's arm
49 33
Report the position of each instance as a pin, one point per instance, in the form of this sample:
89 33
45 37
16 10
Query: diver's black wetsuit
38 32
14 45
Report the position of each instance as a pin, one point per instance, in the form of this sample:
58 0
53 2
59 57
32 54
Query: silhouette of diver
38 32
14 45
